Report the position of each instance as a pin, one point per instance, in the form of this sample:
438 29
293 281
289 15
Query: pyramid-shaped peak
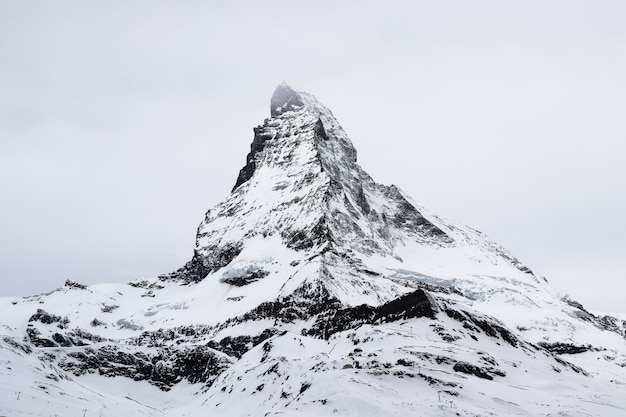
284 99
302 186
299 125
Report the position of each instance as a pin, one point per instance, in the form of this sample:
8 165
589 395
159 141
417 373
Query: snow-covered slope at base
313 290
406 369
32 387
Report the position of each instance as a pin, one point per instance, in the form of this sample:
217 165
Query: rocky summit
313 290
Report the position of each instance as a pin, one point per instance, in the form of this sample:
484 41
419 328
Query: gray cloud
120 124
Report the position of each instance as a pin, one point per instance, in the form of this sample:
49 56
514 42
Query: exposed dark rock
405 362
197 365
444 333
261 136
108 308
58 339
570 365
339 320
199 267
414 304
164 369
308 238
468 368
75 285
44 317
95 323
192 271
191 333
83 335
574 303
429 357
267 348
65 341
407 217
564 348
248 278
496 371
319 130
238 345
612 324
516 263
125 324
362 200
488 326
18 346
303 387
305 302
33 335
146 284
284 99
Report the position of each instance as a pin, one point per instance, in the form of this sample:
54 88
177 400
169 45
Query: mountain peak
313 288
302 185
284 99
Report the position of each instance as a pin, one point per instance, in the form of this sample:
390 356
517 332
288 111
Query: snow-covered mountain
313 290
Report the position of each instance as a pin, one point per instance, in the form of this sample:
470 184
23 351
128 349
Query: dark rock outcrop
564 348
200 266
261 136
284 99
44 317
169 366
34 336
414 304
238 345
480 372
477 324
245 279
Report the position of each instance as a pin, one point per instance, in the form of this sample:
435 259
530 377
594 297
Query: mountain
313 290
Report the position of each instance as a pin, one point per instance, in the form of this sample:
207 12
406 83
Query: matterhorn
312 290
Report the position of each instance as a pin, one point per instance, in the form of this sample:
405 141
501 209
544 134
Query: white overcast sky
122 122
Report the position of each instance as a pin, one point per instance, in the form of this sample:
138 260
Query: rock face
314 290
284 99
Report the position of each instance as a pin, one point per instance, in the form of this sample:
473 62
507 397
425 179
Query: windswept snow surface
312 291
